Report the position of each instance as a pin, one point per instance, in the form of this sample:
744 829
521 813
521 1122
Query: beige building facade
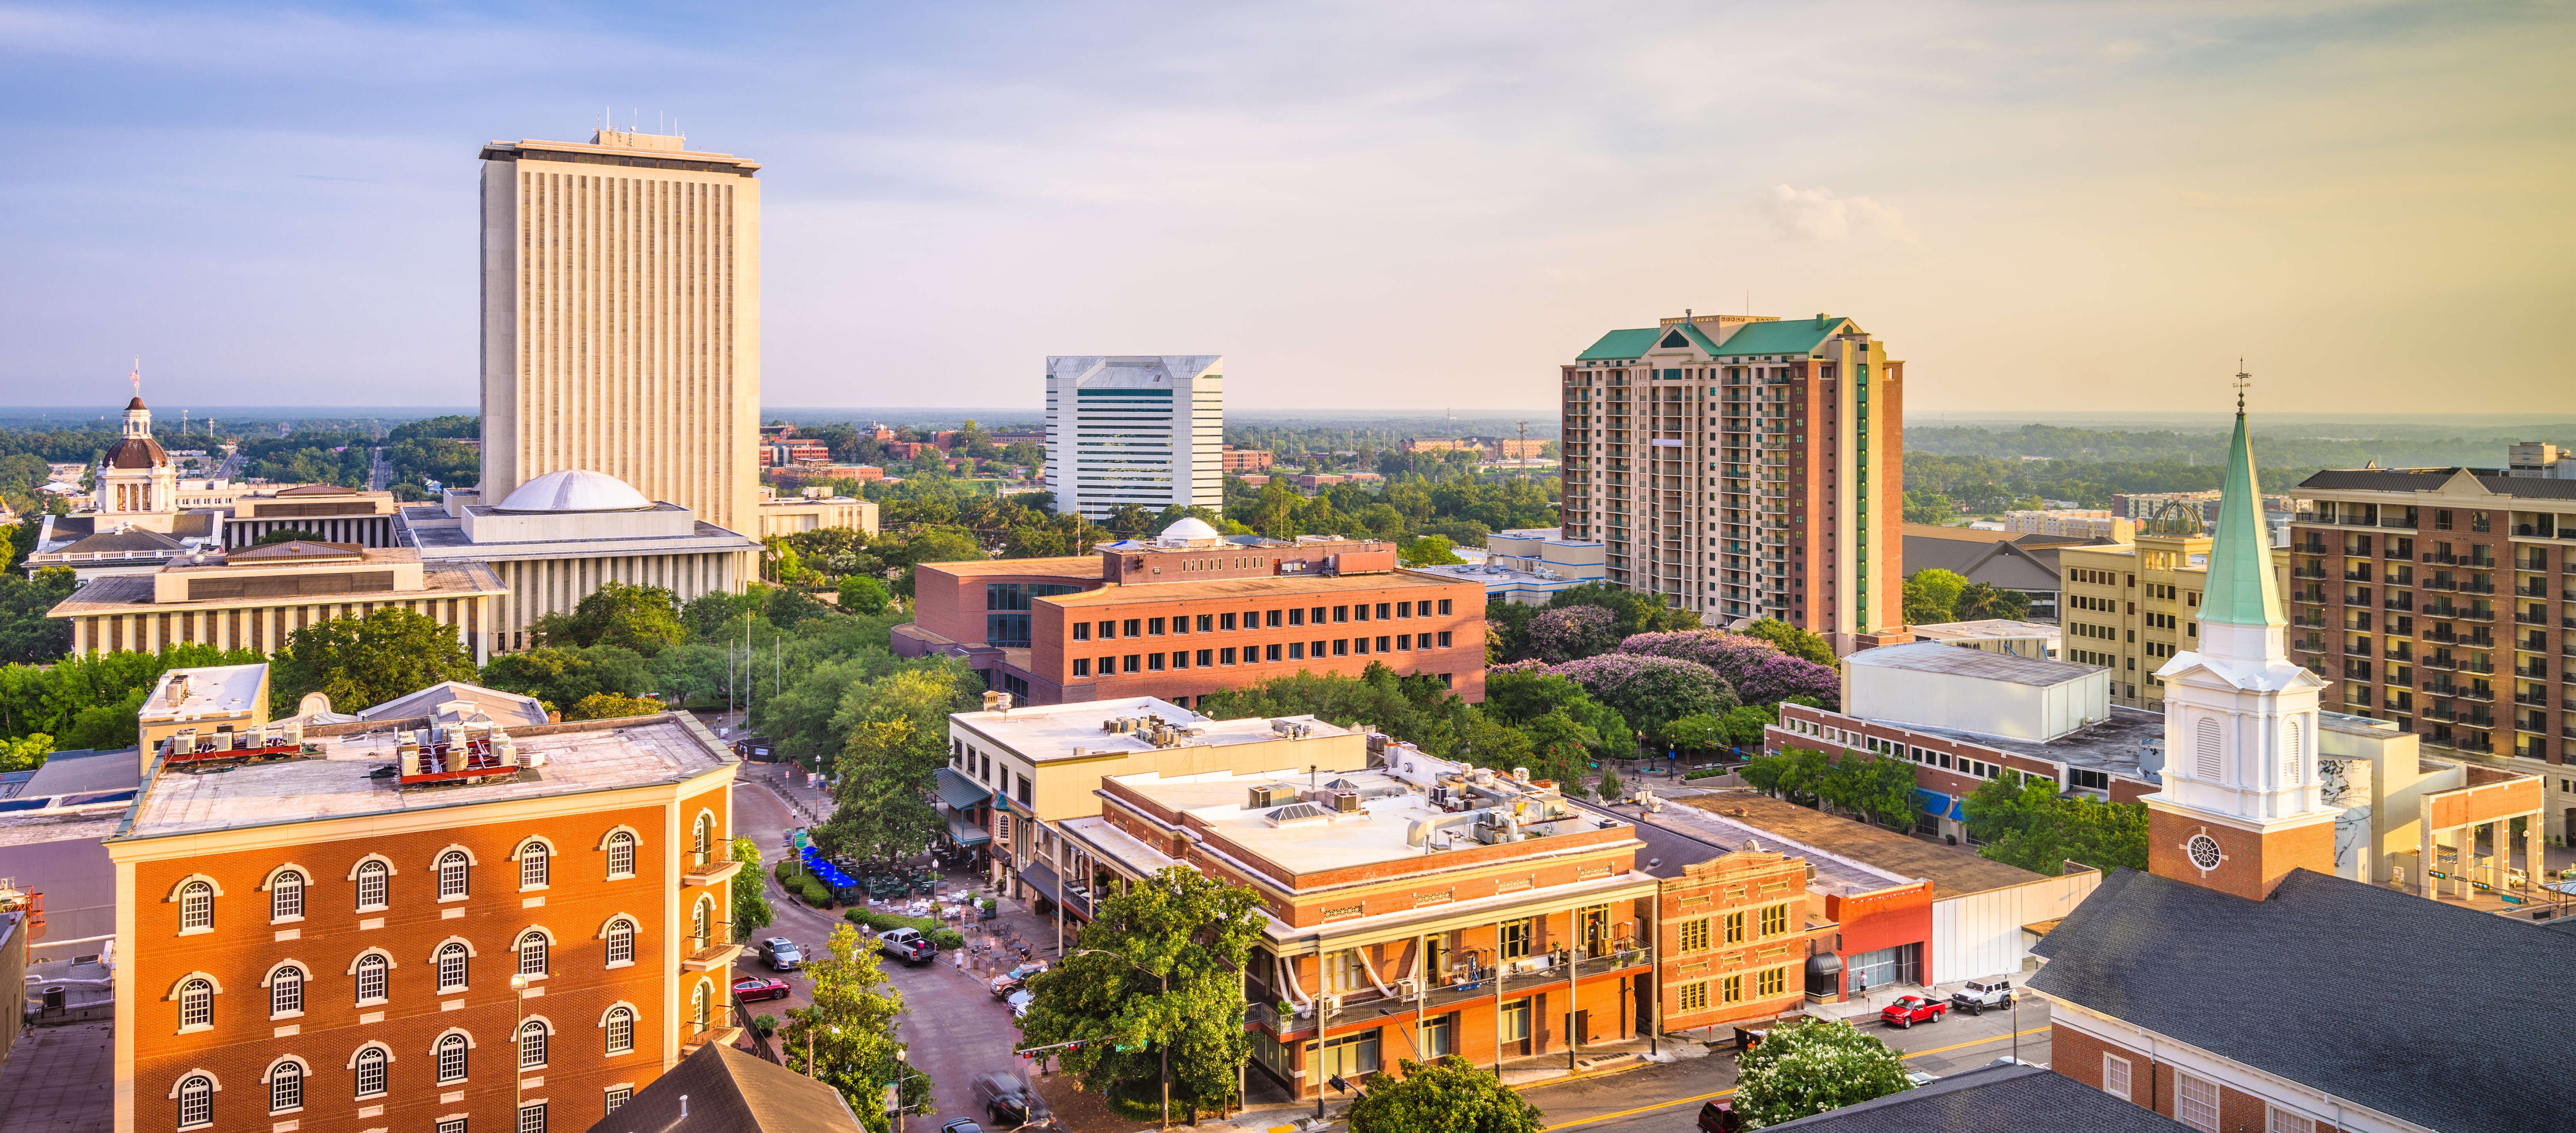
621 319
257 597
814 509
2129 607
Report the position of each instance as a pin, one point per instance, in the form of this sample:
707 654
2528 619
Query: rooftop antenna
137 376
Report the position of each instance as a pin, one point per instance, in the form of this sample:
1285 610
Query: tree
563 678
1760 671
1130 521
1448 1095
1793 641
1430 550
884 815
611 706
1743 726
370 660
1700 731
1932 596
2022 822
751 911
1637 612
27 636
851 1032
645 619
25 753
1880 788
1982 600
1158 972
1796 774
1571 632
1650 692
286 535
1928 507
1809 1065
863 595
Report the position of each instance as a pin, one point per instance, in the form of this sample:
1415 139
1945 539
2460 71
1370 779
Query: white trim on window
2196 1102
2115 1077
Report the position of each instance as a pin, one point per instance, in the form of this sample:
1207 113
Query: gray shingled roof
2001 1098
2427 480
2402 1004
2000 563
729 1091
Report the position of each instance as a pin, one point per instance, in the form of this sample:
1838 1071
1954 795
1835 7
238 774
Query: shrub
884 921
785 867
947 939
814 892
1707 773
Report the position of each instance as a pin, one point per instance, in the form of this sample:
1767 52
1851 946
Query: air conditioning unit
1407 989
1328 1004
1347 802
1269 795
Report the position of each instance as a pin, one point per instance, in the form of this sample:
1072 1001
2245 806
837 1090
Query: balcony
2399 704
2309 620
2532 699
702 871
721 1036
2308 572
2402 602
711 957
2531 619
2531 589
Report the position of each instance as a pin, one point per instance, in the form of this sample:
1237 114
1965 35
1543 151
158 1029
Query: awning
967 833
1041 879
960 792
1940 805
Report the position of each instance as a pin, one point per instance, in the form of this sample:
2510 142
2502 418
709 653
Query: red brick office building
1188 613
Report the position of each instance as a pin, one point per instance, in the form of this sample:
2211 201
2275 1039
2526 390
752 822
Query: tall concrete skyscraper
1148 431
621 319
1745 467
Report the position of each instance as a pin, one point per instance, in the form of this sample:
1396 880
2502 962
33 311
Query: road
380 473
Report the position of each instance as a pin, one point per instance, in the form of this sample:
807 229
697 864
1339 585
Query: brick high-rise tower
1745 467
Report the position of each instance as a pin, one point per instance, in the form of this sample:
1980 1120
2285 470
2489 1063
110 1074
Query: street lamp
1162 1048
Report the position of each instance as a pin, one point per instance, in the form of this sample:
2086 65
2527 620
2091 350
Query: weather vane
137 376
2243 380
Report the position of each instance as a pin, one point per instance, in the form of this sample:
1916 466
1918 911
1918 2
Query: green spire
2241 590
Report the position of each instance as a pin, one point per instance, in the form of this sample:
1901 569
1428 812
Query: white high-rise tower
2241 804
1148 431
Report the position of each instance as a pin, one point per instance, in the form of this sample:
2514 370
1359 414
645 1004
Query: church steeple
2241 590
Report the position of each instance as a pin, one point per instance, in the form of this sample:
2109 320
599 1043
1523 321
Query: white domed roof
575 489
1190 527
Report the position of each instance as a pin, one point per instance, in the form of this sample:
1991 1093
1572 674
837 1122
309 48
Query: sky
2093 207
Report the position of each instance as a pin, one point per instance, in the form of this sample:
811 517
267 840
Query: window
532 1045
1343 613
371 979
373 883
286 897
1297 617
1273 621
196 1004
1225 621
1771 981
1207 623
618 1096
2196 1102
1225 656
532 866
702 924
1207 657
698 1014
455 1126
371 1072
1082 666
451 966
1731 989
1515 939
197 907
621 1031
621 941
1695 995
1108 666
1695 934
1082 631
1381 644
532 954
1404 609
1271 653
451 1059
1154 662
1135 627
1444 635
1404 642
286 991
1318 615
2207 748
1296 650
1734 928
1381 611
2115 1076
1134 663
1342 647
1153 627
1444 606
451 875
1440 1036
2279 1120
621 854
196 1101
1349 1058
1775 920
706 840
286 1087
532 1118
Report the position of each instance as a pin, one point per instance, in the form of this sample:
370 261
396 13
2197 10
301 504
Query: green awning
960 792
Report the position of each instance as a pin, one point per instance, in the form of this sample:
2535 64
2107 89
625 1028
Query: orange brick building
313 943
1189 613
1423 908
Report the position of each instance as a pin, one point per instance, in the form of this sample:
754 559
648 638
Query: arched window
532 865
196 1101
2208 749
706 845
371 1072
701 923
451 874
374 882
2290 754
699 1009
532 954
451 1059
451 966
286 1087
621 1031
532 1045
286 896
196 906
197 1003
621 855
372 972
286 991
621 941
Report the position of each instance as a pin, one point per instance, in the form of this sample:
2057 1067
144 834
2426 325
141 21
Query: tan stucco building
256 597
2127 607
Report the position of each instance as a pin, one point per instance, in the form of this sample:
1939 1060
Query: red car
752 989
1911 1009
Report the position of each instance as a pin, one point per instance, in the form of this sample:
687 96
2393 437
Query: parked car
781 954
1911 1009
1719 1117
1982 994
961 1125
752 989
1016 978
908 945
1007 1100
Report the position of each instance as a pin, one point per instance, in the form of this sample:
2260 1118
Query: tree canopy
1808 1065
851 1030
362 661
1446 1095
2023 822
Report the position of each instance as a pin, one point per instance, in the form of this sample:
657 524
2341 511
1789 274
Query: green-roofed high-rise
1744 467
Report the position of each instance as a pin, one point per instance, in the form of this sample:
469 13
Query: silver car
781 954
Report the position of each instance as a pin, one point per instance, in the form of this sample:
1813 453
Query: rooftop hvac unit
1269 795
1406 989
1347 802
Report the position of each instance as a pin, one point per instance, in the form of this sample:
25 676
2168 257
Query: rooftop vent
1298 812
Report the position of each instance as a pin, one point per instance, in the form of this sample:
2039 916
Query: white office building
1144 430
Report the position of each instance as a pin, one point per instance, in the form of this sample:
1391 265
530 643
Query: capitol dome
575 489
1190 527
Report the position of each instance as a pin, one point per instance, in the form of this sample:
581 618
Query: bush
780 871
1707 773
814 892
947 939
885 921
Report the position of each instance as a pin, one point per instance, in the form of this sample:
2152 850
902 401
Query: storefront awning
967 833
960 792
1940 805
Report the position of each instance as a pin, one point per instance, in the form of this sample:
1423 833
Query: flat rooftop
2111 745
1953 871
121 593
1070 566
218 690
603 755
439 536
1053 731
1985 628
1250 588
1940 657
1304 838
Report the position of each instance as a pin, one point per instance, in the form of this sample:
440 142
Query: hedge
813 892
1707 773
784 867
940 937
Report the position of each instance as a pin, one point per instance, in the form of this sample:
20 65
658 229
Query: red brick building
310 943
1244 459
1188 613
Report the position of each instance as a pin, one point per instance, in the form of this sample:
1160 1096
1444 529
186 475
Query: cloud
1817 214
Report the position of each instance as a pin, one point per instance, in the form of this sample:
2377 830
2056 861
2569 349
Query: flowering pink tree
1570 632
1650 692
1759 671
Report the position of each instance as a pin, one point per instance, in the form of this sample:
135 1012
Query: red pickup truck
1911 1009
